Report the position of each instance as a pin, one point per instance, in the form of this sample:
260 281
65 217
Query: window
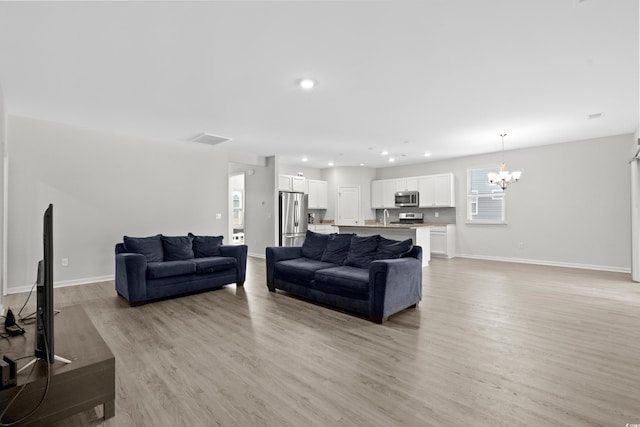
485 201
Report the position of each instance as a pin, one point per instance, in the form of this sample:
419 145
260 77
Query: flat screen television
44 308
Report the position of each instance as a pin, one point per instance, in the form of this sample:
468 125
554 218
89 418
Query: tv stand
35 359
88 381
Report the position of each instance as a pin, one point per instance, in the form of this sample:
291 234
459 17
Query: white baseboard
65 283
256 255
549 263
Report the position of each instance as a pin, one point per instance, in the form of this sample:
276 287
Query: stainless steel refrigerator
293 218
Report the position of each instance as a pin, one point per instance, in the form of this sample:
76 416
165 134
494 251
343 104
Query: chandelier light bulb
504 177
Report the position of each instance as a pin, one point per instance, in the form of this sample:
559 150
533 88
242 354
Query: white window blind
485 201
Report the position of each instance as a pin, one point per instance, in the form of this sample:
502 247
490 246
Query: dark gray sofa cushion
350 282
299 270
206 246
150 247
337 248
156 270
362 251
391 249
211 264
177 248
314 245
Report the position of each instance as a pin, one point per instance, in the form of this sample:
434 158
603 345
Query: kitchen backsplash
445 215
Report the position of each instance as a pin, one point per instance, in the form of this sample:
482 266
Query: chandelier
504 177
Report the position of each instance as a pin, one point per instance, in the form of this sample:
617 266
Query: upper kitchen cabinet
383 194
292 183
436 190
407 184
318 194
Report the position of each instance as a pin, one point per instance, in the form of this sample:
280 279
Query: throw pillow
206 246
177 248
314 245
150 247
390 249
337 248
362 251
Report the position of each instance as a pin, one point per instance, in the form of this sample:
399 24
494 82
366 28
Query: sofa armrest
395 284
239 252
279 253
131 276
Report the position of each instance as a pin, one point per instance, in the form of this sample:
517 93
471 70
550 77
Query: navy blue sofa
371 276
150 268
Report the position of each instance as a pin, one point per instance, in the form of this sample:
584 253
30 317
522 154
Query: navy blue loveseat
149 268
372 276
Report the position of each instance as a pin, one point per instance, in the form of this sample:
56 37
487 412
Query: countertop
399 226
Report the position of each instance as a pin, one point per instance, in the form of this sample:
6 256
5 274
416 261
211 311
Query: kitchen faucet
385 215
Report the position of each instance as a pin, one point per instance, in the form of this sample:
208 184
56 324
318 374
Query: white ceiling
443 76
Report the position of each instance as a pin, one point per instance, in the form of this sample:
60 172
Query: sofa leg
271 289
240 284
414 305
380 320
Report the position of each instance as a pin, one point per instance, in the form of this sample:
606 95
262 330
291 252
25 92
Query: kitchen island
419 233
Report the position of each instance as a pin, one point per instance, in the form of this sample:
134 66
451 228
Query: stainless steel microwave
406 198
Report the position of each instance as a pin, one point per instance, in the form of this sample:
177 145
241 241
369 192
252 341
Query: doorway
236 209
348 205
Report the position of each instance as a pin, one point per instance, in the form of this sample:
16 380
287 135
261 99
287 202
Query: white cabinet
318 194
407 184
436 190
388 193
443 241
376 194
292 183
383 194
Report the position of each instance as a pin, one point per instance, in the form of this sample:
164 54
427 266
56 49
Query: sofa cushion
314 245
156 270
150 247
337 248
211 264
362 251
177 248
206 246
345 281
299 270
390 249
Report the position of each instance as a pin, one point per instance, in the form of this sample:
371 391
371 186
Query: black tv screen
44 308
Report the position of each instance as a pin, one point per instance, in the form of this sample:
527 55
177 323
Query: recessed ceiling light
307 84
361 164
427 154
330 163
304 159
384 153
391 159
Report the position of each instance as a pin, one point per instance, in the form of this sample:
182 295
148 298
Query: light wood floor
491 344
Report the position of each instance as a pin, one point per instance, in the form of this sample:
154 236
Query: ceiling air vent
207 138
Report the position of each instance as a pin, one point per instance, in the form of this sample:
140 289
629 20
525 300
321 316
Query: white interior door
348 205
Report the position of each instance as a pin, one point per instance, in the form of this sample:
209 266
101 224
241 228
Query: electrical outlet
65 262
520 245
218 216
437 214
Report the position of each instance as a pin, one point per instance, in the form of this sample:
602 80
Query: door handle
296 214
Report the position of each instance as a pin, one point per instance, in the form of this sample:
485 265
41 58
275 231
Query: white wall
261 209
308 172
103 186
3 141
571 206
